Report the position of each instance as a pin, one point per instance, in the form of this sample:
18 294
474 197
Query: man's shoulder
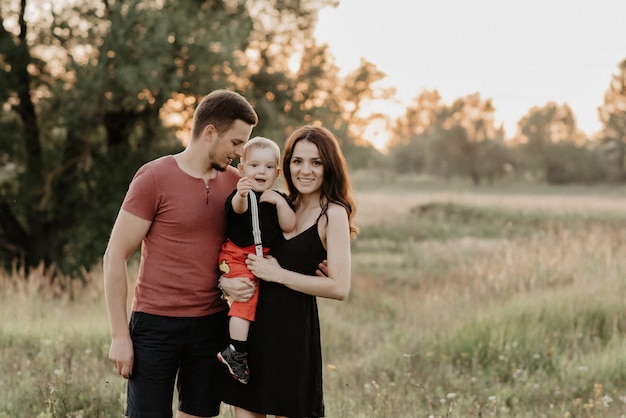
166 162
232 172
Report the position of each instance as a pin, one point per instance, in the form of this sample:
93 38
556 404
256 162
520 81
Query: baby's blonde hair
259 142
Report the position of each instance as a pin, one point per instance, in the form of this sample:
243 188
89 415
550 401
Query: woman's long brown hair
336 187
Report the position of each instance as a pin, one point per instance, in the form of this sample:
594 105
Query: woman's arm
337 284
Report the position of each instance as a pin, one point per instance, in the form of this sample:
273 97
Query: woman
284 344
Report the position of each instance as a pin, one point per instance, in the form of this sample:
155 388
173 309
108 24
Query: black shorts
167 347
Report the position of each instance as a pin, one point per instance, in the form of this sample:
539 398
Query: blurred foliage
462 140
613 117
90 90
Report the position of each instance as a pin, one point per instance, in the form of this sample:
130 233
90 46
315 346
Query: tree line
92 89
463 139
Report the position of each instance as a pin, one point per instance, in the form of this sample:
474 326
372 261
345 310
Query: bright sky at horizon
519 53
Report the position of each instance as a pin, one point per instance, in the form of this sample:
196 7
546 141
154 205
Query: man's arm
237 289
128 231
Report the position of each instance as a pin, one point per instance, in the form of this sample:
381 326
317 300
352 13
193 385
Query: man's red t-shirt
179 255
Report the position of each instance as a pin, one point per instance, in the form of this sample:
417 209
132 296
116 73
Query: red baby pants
232 263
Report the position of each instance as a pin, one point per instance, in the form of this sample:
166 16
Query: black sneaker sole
230 370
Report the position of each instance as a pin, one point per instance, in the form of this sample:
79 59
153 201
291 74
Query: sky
519 53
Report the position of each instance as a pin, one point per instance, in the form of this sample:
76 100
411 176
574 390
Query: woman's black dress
285 356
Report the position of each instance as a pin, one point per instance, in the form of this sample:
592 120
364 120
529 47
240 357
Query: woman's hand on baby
266 268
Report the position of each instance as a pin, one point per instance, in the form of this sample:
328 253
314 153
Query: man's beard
218 167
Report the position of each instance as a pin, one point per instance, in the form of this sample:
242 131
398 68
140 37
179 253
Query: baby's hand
270 196
244 185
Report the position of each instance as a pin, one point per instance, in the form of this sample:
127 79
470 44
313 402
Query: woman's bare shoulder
336 211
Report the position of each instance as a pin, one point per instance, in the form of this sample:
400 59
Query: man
174 208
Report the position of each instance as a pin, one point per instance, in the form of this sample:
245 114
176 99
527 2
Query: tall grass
478 311
462 305
54 343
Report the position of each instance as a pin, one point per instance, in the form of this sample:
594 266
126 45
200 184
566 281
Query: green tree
568 162
282 37
292 80
613 116
82 90
553 149
460 139
469 123
408 145
310 90
358 90
91 90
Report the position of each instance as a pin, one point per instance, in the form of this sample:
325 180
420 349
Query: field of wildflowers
464 303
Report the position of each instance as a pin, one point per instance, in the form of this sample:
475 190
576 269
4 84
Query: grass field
504 301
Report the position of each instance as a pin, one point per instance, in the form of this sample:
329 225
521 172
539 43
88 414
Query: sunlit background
519 53
483 91
488 274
